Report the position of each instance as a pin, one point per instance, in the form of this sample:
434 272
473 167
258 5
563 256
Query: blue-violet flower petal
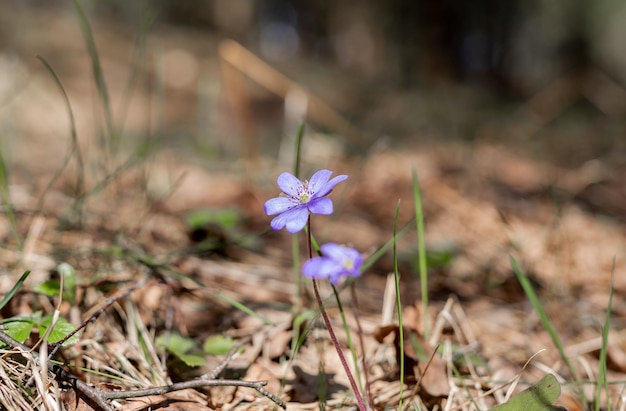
301 198
336 261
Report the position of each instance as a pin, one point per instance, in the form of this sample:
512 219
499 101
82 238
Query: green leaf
180 346
18 328
62 328
538 397
49 288
297 339
225 218
218 345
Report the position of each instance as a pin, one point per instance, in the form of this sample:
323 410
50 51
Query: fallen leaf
421 363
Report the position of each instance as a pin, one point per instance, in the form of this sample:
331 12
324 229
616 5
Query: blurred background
544 77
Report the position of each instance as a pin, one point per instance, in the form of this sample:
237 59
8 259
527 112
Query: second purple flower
337 261
301 198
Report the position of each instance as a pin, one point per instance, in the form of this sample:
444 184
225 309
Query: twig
215 372
108 303
196 383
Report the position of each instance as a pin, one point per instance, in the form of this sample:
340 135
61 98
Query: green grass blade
74 147
297 162
6 199
602 382
241 307
14 289
297 277
543 316
299 337
98 75
140 48
295 239
423 268
396 276
385 247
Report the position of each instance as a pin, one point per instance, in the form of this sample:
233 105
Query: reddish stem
333 337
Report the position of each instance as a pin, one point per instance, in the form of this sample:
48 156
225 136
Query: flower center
305 196
348 264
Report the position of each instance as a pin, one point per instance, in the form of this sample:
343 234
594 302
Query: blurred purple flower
298 199
336 261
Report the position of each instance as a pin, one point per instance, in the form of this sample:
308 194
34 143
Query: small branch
215 372
197 383
86 390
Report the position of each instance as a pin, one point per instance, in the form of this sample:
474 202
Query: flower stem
333 337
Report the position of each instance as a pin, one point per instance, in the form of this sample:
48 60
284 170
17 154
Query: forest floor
120 217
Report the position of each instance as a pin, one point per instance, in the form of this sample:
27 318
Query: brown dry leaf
570 402
278 343
269 372
184 400
276 340
434 379
71 402
430 373
616 359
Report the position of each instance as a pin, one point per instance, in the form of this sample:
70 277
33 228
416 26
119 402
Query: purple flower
298 199
337 261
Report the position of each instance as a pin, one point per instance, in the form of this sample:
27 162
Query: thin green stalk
241 307
6 199
331 332
602 382
296 165
385 247
396 276
297 277
543 318
14 289
73 150
295 239
98 76
423 268
147 21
